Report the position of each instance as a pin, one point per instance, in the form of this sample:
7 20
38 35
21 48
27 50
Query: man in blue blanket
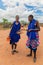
15 34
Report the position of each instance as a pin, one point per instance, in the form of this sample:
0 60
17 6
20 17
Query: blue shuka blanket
32 34
13 33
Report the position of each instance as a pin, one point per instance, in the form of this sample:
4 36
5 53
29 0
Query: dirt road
6 58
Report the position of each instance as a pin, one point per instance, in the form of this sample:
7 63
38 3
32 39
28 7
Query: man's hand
29 30
18 32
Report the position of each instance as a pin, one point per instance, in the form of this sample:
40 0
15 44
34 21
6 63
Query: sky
10 8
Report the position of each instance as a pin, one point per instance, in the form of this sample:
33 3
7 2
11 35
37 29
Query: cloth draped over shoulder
13 33
32 34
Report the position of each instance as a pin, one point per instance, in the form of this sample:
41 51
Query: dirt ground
6 58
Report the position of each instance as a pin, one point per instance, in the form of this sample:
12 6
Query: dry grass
1 26
41 24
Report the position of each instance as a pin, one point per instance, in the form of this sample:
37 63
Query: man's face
17 18
29 18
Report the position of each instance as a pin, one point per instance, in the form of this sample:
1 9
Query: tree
5 23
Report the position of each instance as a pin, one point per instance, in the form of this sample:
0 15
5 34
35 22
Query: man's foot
34 59
29 55
12 52
15 51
